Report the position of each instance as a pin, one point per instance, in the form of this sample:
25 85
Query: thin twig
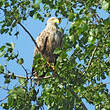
65 26
4 88
25 70
5 98
18 76
90 61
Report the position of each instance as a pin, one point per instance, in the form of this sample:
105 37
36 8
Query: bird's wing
60 34
41 42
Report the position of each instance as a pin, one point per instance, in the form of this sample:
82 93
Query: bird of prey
49 39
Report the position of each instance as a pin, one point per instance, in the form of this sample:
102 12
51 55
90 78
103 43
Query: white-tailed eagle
48 40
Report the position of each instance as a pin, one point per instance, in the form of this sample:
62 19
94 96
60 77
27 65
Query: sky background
25 46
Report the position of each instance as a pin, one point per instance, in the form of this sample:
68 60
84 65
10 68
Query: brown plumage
49 39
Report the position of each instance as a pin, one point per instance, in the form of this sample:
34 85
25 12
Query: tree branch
18 76
23 68
4 88
30 36
78 99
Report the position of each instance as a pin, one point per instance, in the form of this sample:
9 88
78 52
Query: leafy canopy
83 62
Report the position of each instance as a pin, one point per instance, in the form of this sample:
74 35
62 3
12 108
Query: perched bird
48 40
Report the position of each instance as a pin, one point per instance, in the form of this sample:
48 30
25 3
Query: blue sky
25 46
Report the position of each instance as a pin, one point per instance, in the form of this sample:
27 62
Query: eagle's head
53 20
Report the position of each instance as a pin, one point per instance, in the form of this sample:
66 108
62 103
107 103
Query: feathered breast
48 41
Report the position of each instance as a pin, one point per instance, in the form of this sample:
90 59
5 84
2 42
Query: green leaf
77 46
23 81
71 38
93 41
1 4
1 69
2 53
16 34
20 91
13 76
33 107
57 51
90 38
2 48
6 4
48 14
2 30
10 50
71 16
35 16
32 13
33 94
7 80
105 5
8 44
34 1
11 99
3 87
5 105
20 61
36 6
91 32
6 76
12 45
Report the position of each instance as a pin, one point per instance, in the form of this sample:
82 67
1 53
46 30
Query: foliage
82 64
